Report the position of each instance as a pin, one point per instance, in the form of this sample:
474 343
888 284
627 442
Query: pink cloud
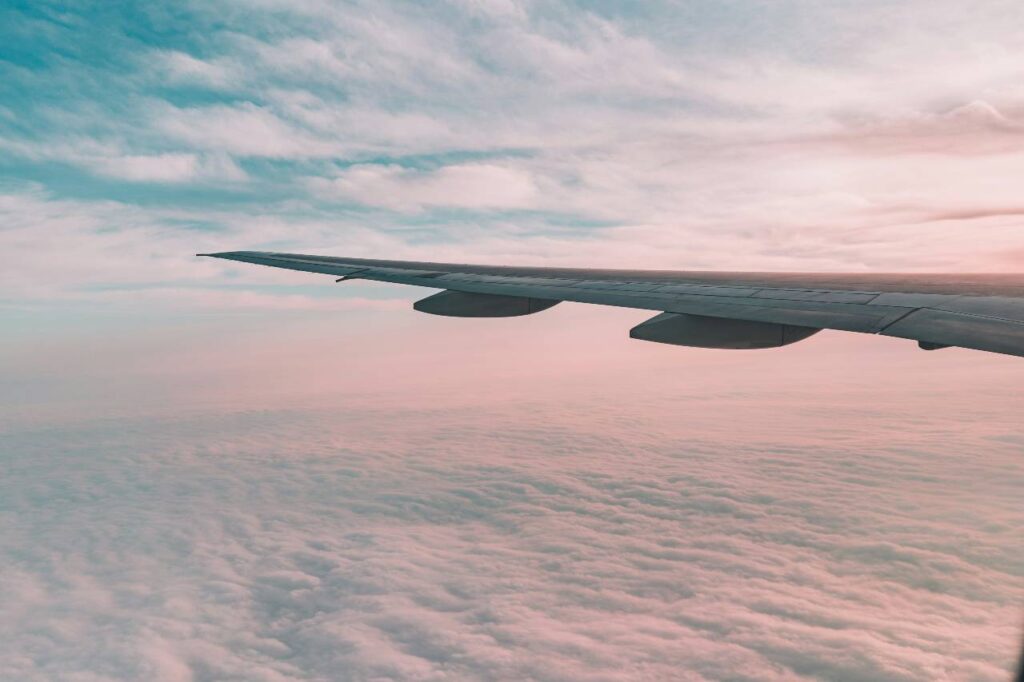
370 502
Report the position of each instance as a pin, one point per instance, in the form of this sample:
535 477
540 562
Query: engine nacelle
465 304
718 332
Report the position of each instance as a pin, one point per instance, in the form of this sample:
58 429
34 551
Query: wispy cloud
796 138
168 167
472 186
187 69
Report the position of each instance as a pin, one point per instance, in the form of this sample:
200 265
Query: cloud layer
378 508
806 136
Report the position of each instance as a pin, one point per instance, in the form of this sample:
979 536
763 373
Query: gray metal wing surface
714 309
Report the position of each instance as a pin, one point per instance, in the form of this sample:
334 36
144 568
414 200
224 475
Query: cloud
163 167
96 247
694 530
185 68
168 167
194 299
245 130
471 186
695 132
976 128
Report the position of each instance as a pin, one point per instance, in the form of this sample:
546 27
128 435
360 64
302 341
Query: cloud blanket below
603 529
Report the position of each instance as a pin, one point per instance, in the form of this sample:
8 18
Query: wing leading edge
714 309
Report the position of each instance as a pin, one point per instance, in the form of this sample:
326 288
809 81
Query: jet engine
466 304
718 332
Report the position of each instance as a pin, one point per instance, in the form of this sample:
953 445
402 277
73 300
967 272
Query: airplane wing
714 309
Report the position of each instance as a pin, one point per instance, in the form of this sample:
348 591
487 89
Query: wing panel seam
901 317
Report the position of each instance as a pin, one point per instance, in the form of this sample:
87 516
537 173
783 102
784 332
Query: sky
219 471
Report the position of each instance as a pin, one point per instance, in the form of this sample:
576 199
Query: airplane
739 310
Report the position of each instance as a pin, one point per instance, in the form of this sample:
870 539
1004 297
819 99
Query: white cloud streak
168 167
470 186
